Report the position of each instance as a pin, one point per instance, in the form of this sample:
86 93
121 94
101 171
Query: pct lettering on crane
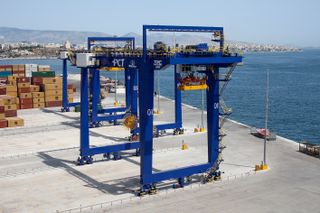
118 62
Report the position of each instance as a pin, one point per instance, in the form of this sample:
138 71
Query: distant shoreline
29 58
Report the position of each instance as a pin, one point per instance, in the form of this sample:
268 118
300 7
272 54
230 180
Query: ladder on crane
225 111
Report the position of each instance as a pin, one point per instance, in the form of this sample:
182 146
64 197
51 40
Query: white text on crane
118 62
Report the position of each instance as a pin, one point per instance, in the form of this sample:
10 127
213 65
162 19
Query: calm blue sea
294 91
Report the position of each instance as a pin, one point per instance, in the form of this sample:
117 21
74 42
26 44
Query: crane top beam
172 28
111 38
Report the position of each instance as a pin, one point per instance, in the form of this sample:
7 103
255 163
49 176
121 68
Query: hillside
8 34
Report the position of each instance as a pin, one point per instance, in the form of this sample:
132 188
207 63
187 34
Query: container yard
28 86
125 153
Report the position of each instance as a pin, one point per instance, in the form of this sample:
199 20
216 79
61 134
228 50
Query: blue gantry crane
205 62
197 68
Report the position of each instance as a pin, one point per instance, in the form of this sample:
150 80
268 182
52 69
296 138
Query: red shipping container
1 109
25 101
3 90
24 90
23 80
3 123
10 113
26 106
37 80
6 66
53 103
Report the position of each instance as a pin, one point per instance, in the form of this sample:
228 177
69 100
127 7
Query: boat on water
263 133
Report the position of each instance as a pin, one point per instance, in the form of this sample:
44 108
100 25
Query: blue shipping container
5 74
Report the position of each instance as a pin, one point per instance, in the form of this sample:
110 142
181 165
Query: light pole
264 165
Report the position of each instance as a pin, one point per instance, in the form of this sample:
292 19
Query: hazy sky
293 22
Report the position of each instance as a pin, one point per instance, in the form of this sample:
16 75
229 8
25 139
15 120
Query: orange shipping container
51 87
20 85
12 78
56 92
53 80
11 88
12 94
38 94
7 99
10 107
35 88
37 100
15 121
25 95
38 105
53 98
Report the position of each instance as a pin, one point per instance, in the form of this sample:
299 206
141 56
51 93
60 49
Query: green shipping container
44 74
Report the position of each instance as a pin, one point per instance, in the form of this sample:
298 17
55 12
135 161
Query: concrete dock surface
38 172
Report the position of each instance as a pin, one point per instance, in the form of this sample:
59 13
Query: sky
287 22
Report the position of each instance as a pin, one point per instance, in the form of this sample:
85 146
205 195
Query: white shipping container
31 67
28 73
43 66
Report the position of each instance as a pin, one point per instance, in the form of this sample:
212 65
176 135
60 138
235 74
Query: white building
67 45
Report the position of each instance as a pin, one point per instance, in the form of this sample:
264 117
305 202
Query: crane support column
146 121
213 115
65 107
95 95
178 104
127 78
84 116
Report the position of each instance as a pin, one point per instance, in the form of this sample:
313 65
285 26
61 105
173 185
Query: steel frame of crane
147 64
65 102
131 82
213 63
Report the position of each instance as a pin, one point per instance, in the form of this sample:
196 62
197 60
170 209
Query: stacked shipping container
8 112
28 86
